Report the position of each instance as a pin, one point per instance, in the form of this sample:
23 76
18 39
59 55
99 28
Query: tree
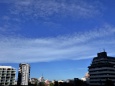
51 84
41 84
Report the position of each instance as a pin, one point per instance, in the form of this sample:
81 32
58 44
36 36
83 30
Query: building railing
100 72
102 76
102 68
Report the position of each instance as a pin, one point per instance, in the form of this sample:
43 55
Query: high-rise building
7 75
23 74
102 69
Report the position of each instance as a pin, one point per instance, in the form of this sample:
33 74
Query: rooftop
6 67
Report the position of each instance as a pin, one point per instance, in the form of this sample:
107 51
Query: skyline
53 33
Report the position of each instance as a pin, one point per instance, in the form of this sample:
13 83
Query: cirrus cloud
78 46
47 8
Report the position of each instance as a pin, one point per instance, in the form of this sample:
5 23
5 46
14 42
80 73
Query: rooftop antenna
104 50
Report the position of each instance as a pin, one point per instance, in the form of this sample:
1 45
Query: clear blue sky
58 38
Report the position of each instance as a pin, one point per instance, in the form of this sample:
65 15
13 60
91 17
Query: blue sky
58 38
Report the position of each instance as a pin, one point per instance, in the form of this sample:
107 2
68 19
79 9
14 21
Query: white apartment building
23 74
101 69
7 75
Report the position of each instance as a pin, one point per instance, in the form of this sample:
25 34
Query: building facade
7 75
41 79
23 74
86 78
102 69
34 81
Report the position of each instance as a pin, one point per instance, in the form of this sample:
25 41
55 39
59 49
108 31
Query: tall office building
7 75
23 74
102 69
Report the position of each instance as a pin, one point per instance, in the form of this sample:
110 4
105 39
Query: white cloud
19 11
46 8
78 46
8 29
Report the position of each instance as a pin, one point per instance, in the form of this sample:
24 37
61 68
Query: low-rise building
34 81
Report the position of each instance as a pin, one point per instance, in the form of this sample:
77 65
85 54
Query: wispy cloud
47 8
8 29
78 46
20 11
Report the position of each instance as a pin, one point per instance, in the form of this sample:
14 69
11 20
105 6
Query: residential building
34 81
102 69
86 78
23 74
7 75
47 82
41 79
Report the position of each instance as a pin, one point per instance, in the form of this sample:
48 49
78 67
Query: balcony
8 75
1 69
2 84
96 84
12 79
101 79
98 80
4 75
103 72
7 84
103 68
8 80
95 76
9 69
2 81
13 72
8 72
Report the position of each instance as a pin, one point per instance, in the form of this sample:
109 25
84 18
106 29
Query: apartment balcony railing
96 69
13 72
102 72
8 76
101 79
95 76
